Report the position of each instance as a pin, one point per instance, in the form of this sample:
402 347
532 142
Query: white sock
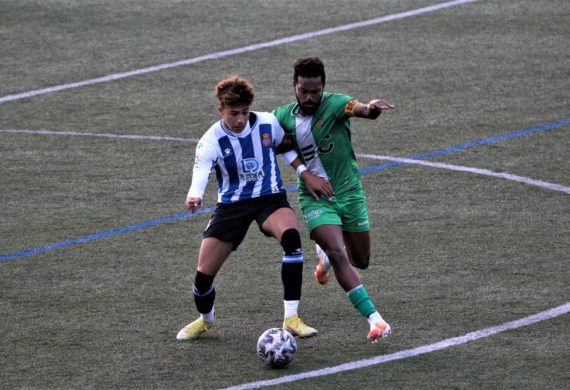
291 308
321 253
374 318
208 317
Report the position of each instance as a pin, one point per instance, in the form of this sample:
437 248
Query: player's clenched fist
193 203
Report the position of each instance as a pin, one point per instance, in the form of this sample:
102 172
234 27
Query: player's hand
317 186
193 203
376 106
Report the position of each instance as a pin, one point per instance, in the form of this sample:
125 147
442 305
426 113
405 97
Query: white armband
290 156
300 169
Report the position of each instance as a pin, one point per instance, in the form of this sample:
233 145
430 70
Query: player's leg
225 231
358 248
356 228
213 253
319 212
282 224
329 237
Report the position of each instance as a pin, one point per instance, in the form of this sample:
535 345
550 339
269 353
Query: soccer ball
276 347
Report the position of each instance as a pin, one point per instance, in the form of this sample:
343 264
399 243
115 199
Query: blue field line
363 171
103 234
472 144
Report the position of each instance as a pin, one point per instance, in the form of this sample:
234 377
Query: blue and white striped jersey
245 163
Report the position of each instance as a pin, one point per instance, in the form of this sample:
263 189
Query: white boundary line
408 353
104 135
231 52
486 172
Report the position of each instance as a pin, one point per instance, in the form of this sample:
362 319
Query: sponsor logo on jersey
313 214
250 165
251 176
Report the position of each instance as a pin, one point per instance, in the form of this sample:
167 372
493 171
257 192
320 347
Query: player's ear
220 109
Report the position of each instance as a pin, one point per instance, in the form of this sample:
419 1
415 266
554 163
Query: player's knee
361 263
291 242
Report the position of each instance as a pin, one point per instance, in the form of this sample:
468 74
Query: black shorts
230 222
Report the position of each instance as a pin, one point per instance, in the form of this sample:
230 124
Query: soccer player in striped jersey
241 149
319 125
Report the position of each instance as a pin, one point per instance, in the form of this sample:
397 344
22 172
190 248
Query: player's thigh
230 222
280 221
355 226
274 215
354 213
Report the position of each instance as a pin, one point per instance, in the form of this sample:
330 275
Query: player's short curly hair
234 91
308 67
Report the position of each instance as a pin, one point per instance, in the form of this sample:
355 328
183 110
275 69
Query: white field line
231 52
486 172
104 135
408 353
458 168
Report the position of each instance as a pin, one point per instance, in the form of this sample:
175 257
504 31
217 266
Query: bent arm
316 185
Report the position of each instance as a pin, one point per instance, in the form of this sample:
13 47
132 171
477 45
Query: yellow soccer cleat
194 329
297 327
379 330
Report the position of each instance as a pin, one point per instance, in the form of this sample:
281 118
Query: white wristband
300 169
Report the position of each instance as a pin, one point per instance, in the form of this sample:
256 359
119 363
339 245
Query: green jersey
323 140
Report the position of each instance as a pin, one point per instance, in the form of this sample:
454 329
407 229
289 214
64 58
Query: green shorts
347 210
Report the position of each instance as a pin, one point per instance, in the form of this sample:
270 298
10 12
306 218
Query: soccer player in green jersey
319 125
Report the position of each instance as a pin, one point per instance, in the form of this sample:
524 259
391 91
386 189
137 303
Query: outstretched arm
371 110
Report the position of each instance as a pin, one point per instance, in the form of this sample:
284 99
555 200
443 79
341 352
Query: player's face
235 117
309 91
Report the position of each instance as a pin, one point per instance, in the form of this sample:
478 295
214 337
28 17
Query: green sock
359 298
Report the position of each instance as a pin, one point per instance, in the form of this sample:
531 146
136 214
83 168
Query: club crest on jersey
319 123
227 152
250 165
266 140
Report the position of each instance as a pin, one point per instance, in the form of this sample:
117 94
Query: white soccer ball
276 347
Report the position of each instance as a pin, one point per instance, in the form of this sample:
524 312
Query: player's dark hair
234 91
308 67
